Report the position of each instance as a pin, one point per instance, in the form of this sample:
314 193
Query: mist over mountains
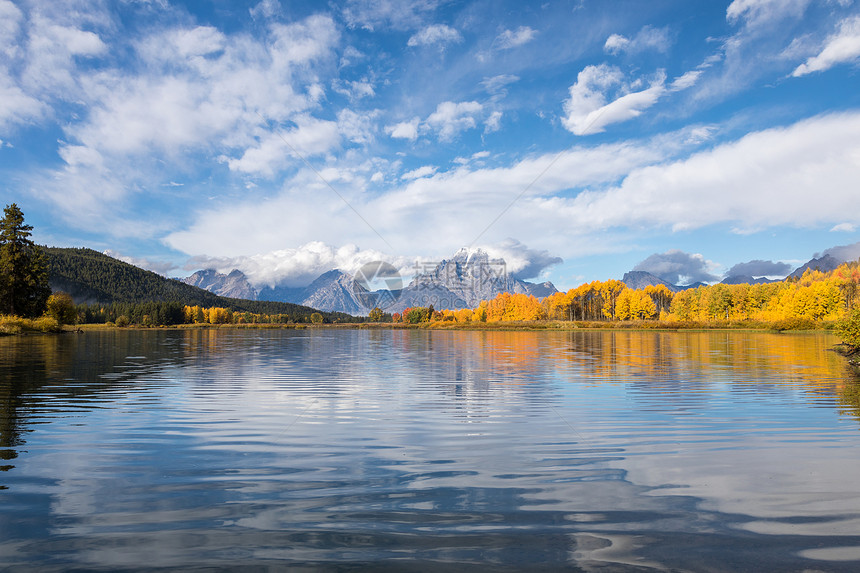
469 277
668 268
460 282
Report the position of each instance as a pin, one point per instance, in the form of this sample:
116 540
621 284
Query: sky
576 139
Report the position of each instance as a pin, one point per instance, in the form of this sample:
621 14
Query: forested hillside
101 282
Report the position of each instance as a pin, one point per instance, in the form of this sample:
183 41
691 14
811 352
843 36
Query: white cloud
521 261
380 14
847 253
405 129
757 51
16 106
756 13
616 43
587 110
840 48
298 267
451 118
423 171
310 137
648 38
434 214
436 34
843 228
759 268
357 127
497 85
266 9
514 38
493 123
678 267
474 157
802 175
685 81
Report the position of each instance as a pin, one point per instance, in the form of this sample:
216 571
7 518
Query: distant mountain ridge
460 282
641 279
825 264
233 285
638 280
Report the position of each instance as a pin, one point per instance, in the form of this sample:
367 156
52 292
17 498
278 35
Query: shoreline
553 326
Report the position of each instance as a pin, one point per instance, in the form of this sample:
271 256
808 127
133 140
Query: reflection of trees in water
686 367
67 369
849 396
472 370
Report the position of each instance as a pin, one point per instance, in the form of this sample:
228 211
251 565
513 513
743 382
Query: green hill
94 278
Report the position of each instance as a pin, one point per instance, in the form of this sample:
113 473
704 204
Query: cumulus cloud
841 47
297 267
759 268
845 253
587 109
274 150
404 130
521 261
357 127
451 118
762 180
514 38
678 267
354 90
437 214
648 38
213 91
493 123
436 34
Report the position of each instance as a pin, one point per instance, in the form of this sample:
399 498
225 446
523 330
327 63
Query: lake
414 450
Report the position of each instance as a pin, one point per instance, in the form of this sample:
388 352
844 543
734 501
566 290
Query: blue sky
288 138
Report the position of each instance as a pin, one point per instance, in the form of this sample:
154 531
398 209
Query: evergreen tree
24 286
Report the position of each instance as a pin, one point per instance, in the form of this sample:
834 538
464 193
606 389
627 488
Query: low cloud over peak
678 267
844 253
759 268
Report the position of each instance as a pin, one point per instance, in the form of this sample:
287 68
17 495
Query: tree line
814 298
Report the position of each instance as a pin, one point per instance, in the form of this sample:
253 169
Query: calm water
415 450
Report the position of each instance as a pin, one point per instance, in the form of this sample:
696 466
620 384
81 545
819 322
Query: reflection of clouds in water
600 447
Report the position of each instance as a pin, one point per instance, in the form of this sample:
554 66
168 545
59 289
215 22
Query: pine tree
24 286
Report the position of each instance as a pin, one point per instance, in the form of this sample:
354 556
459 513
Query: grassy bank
17 325
794 325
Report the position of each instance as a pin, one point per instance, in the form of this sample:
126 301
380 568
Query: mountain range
641 279
460 282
